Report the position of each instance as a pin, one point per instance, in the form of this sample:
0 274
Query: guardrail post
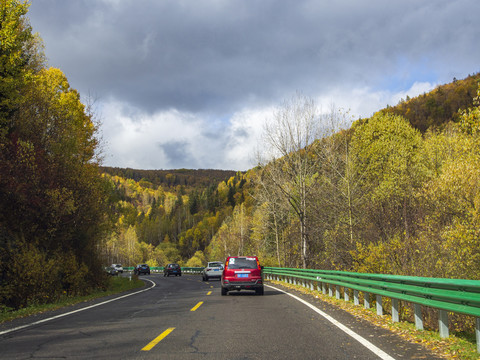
477 333
379 305
346 296
395 310
319 286
311 285
366 300
418 316
337 292
355 297
330 290
443 323
324 288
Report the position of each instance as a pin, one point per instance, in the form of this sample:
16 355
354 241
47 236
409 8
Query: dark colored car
242 273
141 269
172 269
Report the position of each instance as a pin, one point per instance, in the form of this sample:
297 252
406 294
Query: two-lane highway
185 318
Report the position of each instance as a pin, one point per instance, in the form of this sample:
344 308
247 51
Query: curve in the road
76 311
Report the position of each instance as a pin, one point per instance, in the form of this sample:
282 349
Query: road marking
209 293
197 306
380 353
75 311
159 338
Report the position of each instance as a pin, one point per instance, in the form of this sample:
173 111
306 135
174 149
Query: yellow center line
209 293
197 306
157 339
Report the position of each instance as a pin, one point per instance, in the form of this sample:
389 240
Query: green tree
20 55
386 158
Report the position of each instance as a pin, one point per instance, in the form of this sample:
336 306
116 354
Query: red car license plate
242 275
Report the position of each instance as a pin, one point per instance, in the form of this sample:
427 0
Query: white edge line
380 353
75 311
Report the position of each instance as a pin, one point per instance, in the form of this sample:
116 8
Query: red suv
242 273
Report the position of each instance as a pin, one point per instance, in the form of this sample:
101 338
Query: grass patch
117 285
456 346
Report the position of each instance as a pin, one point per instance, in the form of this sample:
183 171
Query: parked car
242 273
119 267
212 270
111 271
172 269
141 269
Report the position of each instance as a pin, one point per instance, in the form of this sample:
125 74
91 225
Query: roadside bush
32 276
28 277
197 260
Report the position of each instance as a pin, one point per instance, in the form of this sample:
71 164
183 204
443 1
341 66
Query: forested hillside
172 178
161 224
440 106
380 196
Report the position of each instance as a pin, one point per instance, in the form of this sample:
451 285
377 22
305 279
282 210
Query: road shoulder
390 342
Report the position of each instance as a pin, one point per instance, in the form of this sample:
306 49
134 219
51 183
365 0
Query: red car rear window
242 263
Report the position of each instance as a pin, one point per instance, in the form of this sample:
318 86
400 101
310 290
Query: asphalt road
186 318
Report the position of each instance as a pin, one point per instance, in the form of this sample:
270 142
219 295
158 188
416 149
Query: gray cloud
212 55
177 152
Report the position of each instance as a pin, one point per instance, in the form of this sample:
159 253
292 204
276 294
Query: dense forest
394 193
172 178
161 224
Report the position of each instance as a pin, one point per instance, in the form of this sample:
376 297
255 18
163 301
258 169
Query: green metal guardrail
446 295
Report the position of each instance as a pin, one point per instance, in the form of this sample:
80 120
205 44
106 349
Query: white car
118 267
213 269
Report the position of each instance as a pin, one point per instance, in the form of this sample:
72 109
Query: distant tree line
171 178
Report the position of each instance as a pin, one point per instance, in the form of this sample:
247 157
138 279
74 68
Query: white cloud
175 139
363 102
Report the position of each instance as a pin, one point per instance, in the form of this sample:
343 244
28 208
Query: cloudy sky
189 83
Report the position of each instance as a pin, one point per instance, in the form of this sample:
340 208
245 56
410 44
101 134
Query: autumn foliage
52 197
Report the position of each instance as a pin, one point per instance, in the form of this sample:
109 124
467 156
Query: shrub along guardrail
446 295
